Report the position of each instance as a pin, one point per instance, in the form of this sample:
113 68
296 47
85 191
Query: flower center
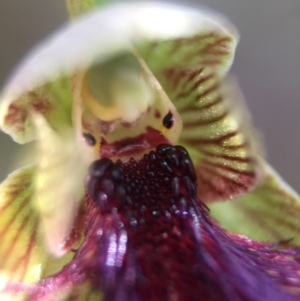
152 202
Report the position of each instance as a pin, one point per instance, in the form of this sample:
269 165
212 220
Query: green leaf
271 212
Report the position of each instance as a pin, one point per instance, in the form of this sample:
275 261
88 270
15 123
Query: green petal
20 253
52 99
23 257
216 129
59 184
269 213
211 43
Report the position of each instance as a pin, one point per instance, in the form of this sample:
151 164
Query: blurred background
267 65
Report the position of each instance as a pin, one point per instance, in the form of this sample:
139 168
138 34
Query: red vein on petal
183 42
14 240
27 255
228 157
220 44
228 168
13 217
228 181
202 182
13 190
196 85
210 89
212 62
15 116
217 52
236 147
214 140
209 121
186 76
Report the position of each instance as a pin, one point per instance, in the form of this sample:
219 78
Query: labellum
138 131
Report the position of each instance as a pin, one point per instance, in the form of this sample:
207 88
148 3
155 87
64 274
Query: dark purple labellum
173 252
149 238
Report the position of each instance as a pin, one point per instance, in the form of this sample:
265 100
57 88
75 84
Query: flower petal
52 99
59 186
79 45
216 128
20 251
23 257
211 43
269 213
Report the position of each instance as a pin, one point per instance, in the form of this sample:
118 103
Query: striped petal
211 44
20 252
23 258
216 129
269 213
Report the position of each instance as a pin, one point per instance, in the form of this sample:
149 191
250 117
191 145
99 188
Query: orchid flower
148 183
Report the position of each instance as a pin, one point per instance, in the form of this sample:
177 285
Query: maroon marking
217 101
217 166
132 145
212 62
15 189
27 255
21 206
206 122
246 160
157 114
16 116
221 43
14 240
216 140
226 185
207 91
41 105
201 80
